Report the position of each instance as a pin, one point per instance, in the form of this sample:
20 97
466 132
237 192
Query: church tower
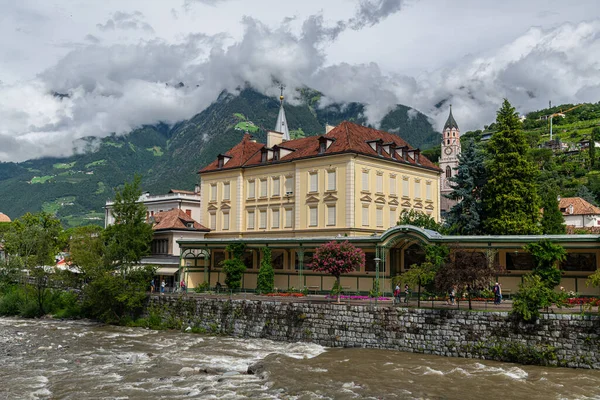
281 125
449 160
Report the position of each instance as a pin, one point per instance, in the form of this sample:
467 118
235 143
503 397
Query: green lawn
239 116
95 163
156 150
64 165
113 144
246 126
41 179
54 206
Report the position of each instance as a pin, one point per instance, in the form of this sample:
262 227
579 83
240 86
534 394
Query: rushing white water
49 359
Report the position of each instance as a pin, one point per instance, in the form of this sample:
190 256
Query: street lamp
376 259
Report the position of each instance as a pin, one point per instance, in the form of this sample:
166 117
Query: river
52 359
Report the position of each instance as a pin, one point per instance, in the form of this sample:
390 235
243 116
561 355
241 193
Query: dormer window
376 145
189 225
276 154
222 160
263 155
324 143
392 150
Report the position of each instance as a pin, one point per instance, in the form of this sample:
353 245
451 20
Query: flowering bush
584 300
337 258
356 297
288 294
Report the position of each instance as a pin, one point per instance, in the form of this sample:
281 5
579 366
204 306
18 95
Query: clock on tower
448 150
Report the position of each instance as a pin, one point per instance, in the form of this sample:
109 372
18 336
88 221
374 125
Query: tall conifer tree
510 199
465 217
552 218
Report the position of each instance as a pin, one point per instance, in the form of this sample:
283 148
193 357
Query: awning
167 271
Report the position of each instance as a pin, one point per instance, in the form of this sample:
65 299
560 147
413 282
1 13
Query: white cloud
118 85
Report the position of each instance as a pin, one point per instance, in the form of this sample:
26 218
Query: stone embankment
555 339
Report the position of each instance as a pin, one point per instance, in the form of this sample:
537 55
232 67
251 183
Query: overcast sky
114 57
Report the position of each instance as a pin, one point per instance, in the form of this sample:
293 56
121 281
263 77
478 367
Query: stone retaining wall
555 339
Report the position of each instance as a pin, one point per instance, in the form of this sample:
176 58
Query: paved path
506 305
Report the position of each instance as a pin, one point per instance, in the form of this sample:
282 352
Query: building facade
351 181
579 213
448 161
185 200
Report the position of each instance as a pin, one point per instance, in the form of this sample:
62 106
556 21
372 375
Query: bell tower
448 160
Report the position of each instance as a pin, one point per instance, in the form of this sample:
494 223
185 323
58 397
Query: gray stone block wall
554 339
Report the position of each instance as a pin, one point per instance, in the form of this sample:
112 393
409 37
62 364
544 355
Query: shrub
533 294
266 274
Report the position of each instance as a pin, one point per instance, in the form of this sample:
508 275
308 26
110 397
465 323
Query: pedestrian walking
152 286
451 296
406 293
162 287
397 294
182 286
497 293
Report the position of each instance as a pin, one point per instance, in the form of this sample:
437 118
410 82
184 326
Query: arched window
448 172
448 141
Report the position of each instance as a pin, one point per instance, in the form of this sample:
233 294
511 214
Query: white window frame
313 182
276 186
393 216
226 191
226 220
289 185
212 217
428 191
252 189
275 218
289 218
331 215
213 192
262 219
417 189
251 222
365 181
264 188
331 180
393 188
405 187
365 215
379 183
379 217
313 216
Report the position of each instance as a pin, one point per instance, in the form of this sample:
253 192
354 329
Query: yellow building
352 181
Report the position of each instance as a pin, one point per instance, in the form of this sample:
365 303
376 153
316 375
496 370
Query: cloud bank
116 88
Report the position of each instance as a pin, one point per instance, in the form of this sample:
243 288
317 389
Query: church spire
450 123
281 125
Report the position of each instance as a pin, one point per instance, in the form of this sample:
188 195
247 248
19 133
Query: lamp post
376 259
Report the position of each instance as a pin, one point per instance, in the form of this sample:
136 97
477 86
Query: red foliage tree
337 258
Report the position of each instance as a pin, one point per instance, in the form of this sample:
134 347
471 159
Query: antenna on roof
281 87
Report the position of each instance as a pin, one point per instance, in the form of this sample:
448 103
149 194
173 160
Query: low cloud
120 87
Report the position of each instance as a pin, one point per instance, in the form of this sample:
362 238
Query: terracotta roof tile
176 219
4 218
580 206
347 137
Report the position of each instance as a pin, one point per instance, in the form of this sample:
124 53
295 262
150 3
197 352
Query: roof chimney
274 138
197 188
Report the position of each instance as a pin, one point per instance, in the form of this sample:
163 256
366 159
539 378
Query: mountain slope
75 188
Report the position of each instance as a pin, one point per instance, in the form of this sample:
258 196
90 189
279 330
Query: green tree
510 198
552 219
337 258
32 242
234 267
585 193
594 137
547 255
129 238
533 294
419 219
266 274
465 218
468 270
423 274
110 296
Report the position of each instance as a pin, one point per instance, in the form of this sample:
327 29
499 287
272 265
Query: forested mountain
75 188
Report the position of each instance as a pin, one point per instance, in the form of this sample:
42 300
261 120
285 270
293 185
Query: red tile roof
4 218
580 206
176 219
347 137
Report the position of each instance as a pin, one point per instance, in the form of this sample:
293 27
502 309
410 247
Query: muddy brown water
50 359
